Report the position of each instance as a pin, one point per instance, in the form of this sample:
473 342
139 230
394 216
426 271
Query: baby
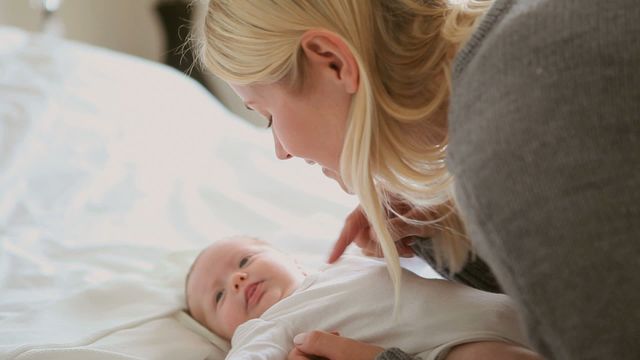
247 292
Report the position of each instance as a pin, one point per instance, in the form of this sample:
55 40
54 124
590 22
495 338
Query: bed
114 173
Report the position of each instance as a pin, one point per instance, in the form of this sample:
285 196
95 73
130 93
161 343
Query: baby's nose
238 279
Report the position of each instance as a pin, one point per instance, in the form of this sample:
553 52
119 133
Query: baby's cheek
230 320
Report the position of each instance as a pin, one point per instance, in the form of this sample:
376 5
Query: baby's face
237 280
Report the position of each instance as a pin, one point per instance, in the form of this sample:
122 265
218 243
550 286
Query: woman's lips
253 293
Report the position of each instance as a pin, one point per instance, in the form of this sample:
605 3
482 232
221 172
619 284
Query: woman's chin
335 176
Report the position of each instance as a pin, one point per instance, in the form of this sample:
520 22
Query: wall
130 26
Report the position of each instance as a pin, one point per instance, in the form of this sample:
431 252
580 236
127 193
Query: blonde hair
397 132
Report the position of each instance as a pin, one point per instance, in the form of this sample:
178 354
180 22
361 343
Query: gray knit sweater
545 150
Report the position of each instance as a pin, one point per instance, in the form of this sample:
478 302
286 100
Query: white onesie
356 298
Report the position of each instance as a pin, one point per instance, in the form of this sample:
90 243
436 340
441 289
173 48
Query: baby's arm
491 350
258 339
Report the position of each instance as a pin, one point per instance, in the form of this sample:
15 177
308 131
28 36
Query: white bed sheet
114 173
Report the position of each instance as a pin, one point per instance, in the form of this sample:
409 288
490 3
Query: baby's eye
219 296
270 121
244 261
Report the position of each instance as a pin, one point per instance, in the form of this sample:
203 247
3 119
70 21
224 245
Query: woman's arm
413 239
545 152
322 345
491 350
475 273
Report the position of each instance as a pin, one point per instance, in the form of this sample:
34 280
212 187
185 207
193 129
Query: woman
532 103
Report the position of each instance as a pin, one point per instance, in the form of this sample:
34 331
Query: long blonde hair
397 132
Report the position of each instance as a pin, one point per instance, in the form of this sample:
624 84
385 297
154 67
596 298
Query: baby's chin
269 299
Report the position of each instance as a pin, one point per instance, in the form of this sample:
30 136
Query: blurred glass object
50 20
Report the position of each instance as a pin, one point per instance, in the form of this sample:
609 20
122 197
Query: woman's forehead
261 93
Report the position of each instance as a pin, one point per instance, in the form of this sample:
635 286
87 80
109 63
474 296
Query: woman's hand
358 230
323 345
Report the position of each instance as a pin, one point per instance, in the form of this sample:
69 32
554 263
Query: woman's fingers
357 230
404 250
354 223
366 239
296 354
346 238
403 229
368 242
334 347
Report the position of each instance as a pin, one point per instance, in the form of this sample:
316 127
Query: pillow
189 322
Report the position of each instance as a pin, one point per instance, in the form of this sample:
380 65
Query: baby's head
236 280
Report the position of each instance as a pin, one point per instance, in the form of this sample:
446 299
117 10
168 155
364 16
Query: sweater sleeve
395 354
545 153
476 273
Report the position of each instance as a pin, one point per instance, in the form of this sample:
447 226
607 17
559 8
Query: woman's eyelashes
269 118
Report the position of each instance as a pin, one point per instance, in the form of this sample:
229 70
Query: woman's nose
237 279
281 153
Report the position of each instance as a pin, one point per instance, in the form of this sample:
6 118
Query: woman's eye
218 296
243 261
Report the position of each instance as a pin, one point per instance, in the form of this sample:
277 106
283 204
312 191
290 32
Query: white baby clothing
356 298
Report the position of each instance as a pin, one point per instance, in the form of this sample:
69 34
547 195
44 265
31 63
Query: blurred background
152 29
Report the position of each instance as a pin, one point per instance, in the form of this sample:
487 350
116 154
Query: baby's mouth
253 293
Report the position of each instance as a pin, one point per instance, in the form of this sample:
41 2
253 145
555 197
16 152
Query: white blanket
114 173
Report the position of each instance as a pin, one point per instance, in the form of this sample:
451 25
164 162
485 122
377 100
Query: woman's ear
328 53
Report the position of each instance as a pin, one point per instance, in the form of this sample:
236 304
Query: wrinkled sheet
114 173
